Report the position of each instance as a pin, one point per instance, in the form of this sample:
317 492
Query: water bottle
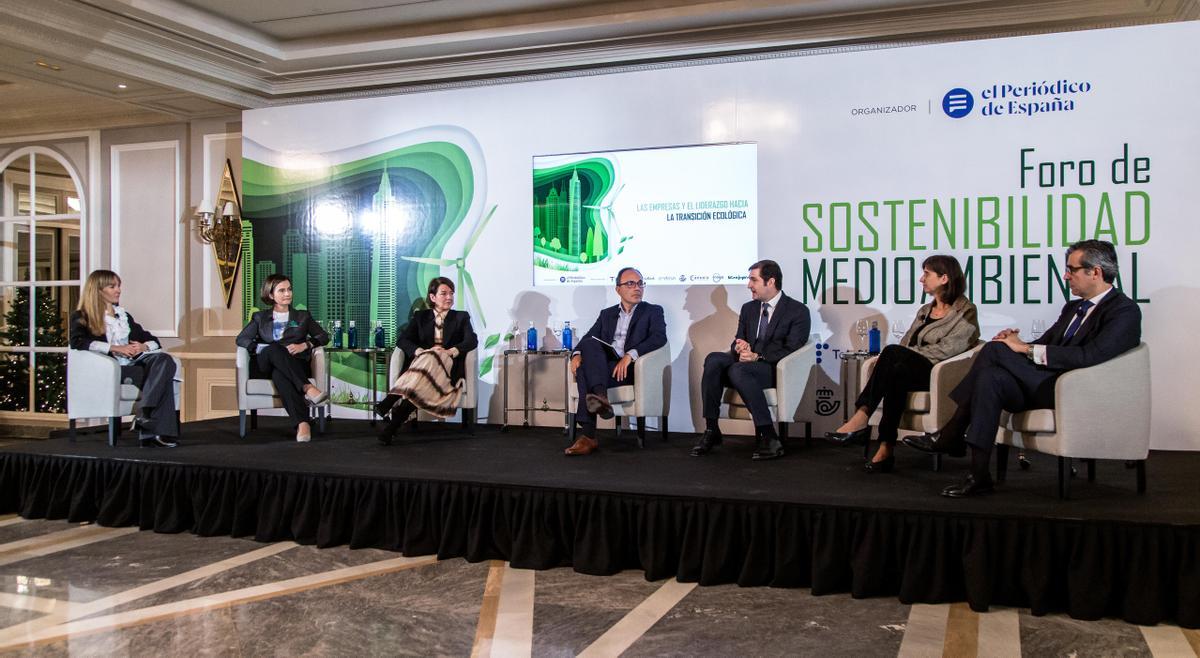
531 338
337 334
873 338
568 339
352 336
379 335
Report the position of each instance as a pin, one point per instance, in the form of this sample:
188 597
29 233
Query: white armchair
792 376
926 411
1101 412
468 401
255 393
648 395
94 390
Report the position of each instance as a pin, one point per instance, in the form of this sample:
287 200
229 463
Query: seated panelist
1011 375
770 326
280 340
435 344
100 324
604 357
945 327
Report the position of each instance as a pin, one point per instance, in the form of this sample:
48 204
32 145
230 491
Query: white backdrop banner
999 152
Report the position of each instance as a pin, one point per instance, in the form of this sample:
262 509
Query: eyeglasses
630 285
1076 268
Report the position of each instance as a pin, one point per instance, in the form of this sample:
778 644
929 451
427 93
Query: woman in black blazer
282 340
435 345
100 325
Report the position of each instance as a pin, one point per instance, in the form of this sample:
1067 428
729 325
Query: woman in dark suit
100 324
435 345
282 340
945 327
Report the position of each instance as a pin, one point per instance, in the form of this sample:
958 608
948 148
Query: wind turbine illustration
610 218
465 282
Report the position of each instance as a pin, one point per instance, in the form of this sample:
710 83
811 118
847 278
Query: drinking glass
1039 328
898 330
861 328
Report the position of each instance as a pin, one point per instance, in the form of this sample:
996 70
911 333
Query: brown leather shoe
599 405
584 445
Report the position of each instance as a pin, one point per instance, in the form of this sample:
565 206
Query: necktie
762 322
1073 328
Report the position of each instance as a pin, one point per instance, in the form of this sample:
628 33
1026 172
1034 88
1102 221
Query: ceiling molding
185 62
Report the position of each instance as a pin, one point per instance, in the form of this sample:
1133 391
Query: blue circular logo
957 103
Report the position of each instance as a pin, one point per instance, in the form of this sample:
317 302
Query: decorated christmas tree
51 379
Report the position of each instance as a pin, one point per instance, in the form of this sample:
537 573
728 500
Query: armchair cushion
260 387
1034 420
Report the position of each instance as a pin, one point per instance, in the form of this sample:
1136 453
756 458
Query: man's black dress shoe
882 466
849 438
156 441
769 448
934 442
971 486
708 440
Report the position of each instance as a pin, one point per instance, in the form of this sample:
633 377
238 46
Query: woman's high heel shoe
850 438
883 466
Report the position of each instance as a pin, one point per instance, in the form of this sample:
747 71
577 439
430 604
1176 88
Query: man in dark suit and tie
770 327
1012 375
603 357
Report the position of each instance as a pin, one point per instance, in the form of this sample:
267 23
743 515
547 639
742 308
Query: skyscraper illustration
300 282
293 247
316 286
331 268
262 270
358 280
249 293
553 223
574 242
383 258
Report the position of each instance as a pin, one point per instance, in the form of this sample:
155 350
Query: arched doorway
43 215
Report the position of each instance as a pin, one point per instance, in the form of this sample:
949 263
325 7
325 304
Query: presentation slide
682 215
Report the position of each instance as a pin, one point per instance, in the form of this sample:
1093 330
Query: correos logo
957 103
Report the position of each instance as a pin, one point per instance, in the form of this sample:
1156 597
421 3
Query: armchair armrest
471 375
395 365
93 385
1104 411
318 365
652 382
792 374
943 378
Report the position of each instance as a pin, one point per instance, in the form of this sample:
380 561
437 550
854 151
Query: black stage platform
811 519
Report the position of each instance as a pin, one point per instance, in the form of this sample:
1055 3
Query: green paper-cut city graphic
570 227
359 274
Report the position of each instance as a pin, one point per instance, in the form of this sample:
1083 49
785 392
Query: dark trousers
154 374
748 378
898 372
290 376
1001 380
595 376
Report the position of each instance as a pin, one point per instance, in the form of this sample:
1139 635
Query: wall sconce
220 225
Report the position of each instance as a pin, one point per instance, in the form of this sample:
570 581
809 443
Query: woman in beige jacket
943 328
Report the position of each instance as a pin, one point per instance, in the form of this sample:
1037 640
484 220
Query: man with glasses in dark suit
604 357
770 327
1012 375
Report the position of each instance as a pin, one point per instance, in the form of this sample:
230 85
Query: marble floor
71 589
